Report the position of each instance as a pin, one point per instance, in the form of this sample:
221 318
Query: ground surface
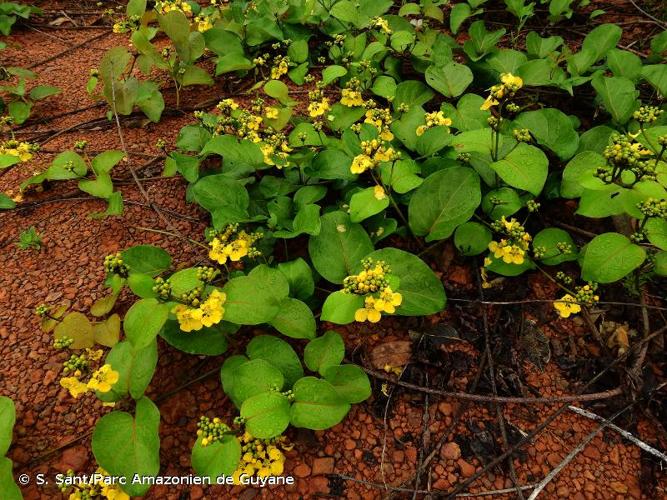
383 440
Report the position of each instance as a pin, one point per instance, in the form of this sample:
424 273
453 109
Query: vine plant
407 138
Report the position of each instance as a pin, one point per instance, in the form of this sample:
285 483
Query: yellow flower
383 24
514 82
368 312
267 151
379 193
280 69
103 379
113 492
420 130
389 300
566 306
203 23
189 319
383 154
386 135
360 164
316 109
272 113
212 310
489 103
75 387
351 98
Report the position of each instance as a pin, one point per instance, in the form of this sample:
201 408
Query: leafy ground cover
344 220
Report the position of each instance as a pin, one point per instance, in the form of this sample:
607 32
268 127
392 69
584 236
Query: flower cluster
522 134
319 105
351 96
233 244
113 264
508 86
625 153
435 119
566 306
647 114
208 313
22 150
569 304
162 288
373 152
102 488
63 342
653 207
372 283
211 431
77 363
126 24
165 6
263 457
207 274
251 126
382 23
101 380
280 67
381 119
511 250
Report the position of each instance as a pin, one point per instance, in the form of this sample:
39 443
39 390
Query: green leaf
136 8
384 86
656 232
192 138
350 381
300 278
433 140
255 298
413 93
8 487
661 263
331 73
656 75
401 175
104 162
549 239
107 332
552 129
324 352
143 321
7 420
43 91
339 307
472 238
101 187
278 90
194 75
8 160
446 199
77 327
467 114
266 415
579 168
610 257
209 341
241 157
214 192
279 353
295 319
317 405
339 247
421 289
525 167
242 380
216 459
618 95
19 111
124 445
538 47
365 204
146 259
624 63
135 369
67 165
450 80
501 202
460 12
331 164
6 202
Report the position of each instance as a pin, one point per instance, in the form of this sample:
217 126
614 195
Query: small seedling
29 239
